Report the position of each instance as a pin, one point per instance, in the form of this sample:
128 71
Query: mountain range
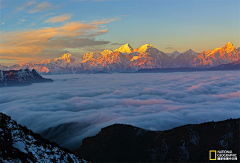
229 66
125 59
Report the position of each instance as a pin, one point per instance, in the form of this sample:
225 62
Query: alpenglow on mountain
127 59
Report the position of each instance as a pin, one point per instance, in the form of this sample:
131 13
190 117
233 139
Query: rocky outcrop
19 144
20 78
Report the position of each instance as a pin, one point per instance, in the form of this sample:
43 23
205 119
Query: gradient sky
34 30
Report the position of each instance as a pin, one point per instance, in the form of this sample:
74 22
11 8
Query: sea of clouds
76 106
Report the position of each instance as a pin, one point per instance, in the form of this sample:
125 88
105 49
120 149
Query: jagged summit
125 48
143 48
66 57
129 59
217 56
106 52
21 78
19 144
190 52
147 46
229 47
176 52
229 44
173 54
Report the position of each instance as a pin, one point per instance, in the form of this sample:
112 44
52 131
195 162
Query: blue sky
35 30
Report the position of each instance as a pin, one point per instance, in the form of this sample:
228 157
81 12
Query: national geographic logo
212 155
222 155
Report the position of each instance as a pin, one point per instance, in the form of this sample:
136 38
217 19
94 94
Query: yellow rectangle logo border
210 154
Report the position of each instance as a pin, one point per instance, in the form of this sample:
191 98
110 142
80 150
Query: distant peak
147 45
191 52
143 48
126 48
107 52
173 54
229 45
66 56
176 52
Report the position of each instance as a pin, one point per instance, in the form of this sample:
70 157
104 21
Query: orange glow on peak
125 48
65 57
226 52
229 44
105 52
143 48
148 45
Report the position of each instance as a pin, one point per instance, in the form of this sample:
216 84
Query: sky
34 30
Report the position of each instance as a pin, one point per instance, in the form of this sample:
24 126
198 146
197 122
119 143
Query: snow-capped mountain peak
229 44
190 52
125 48
229 47
46 61
173 54
144 48
127 59
217 56
105 52
67 57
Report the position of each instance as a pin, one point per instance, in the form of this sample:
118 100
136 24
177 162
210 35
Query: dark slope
230 66
19 144
20 78
188 143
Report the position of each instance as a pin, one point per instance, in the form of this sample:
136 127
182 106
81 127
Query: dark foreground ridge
188 143
20 78
19 144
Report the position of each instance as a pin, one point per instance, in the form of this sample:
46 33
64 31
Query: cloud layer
41 6
59 18
76 106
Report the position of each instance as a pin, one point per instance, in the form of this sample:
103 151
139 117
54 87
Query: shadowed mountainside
19 144
188 143
20 78
230 66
